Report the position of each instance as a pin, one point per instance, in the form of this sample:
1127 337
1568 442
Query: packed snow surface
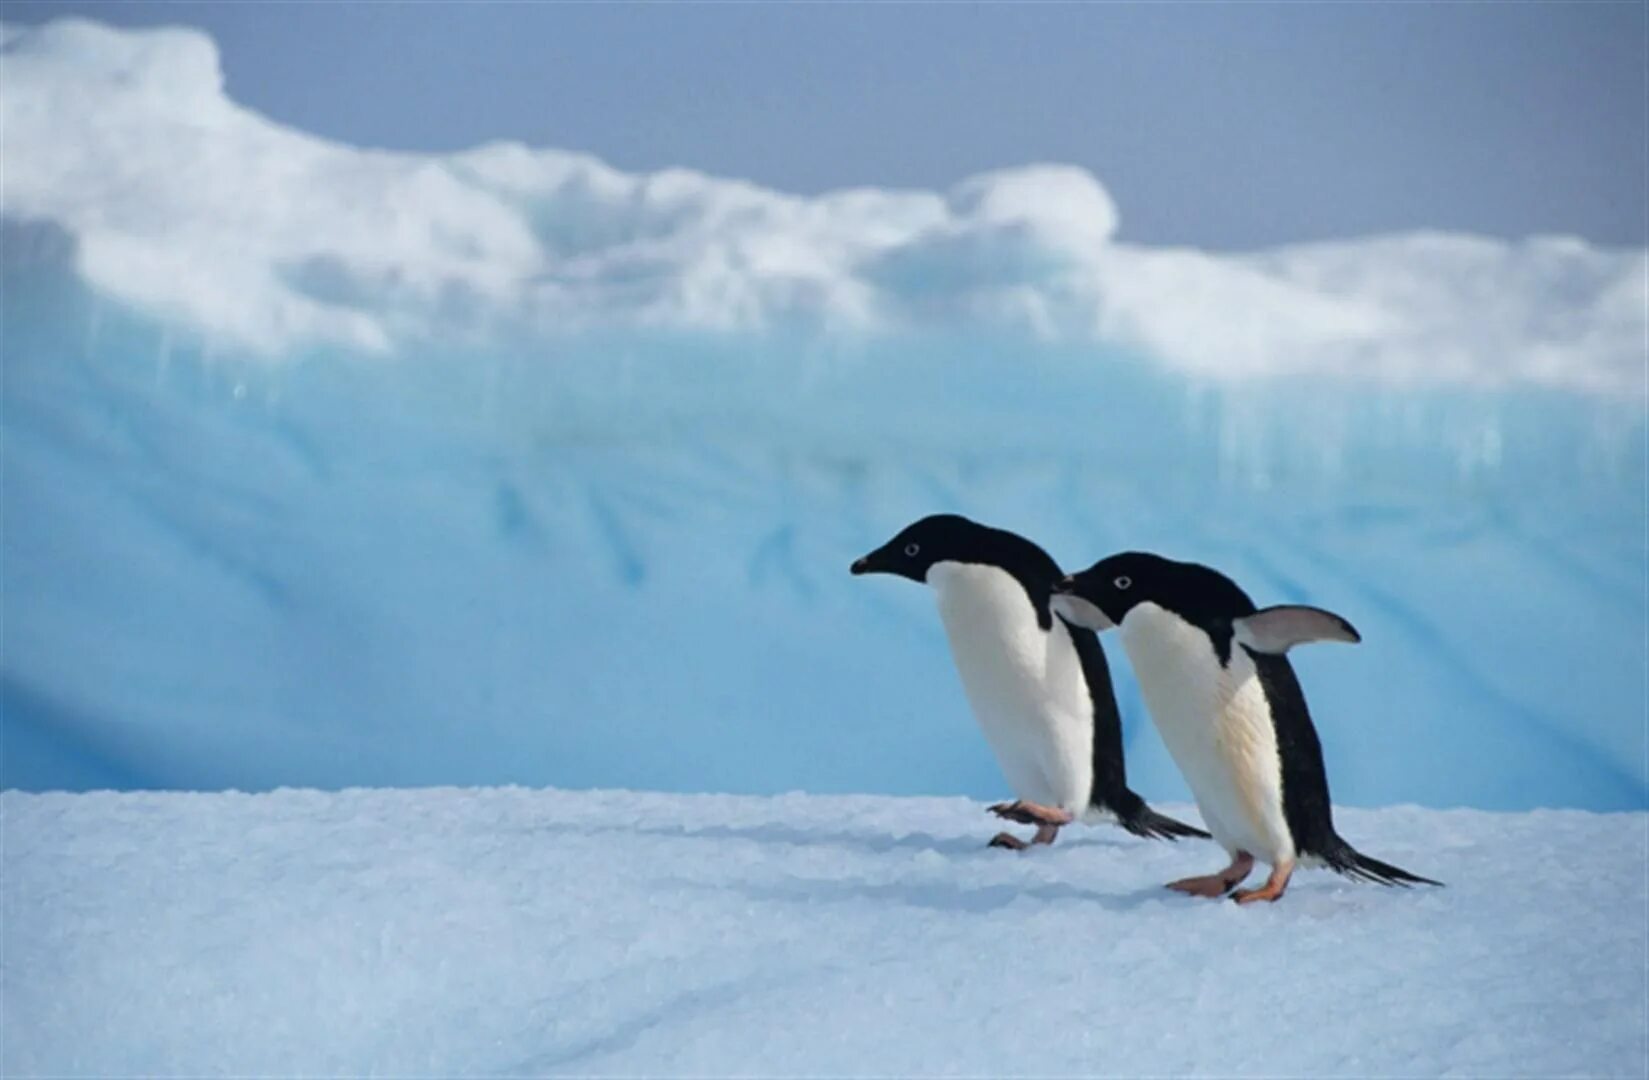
450 932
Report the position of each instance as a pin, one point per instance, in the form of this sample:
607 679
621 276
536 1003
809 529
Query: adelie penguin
1212 669
1039 687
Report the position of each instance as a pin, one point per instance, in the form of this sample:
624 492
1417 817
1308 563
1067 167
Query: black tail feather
1354 864
1146 822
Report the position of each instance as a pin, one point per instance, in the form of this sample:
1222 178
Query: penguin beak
860 565
1064 585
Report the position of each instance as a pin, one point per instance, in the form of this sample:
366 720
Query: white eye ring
1123 582
912 549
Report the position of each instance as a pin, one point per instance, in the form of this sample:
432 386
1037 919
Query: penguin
1214 673
1038 686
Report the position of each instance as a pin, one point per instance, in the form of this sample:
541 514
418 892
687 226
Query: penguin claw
1029 813
1009 841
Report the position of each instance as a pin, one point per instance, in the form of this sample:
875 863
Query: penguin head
1101 596
951 538
919 545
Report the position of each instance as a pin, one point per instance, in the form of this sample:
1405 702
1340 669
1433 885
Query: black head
1102 595
953 538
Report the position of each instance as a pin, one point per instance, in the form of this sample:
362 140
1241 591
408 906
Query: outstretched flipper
1275 630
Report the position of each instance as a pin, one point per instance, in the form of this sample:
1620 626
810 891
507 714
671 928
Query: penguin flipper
1275 630
1141 820
1354 864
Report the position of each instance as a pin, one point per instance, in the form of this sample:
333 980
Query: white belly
1024 683
1217 726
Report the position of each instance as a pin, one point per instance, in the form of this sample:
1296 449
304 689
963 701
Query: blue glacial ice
335 467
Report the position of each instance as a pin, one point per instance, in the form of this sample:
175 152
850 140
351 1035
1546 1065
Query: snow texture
515 932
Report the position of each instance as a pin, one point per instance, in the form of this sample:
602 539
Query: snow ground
538 932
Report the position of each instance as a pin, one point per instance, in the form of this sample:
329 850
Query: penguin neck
983 606
1163 638
1161 644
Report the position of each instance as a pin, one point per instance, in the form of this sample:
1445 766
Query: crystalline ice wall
329 466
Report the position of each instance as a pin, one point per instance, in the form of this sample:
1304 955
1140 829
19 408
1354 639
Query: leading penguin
1212 669
1039 687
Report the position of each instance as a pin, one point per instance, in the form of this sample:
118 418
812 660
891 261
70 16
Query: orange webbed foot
1029 813
1214 886
1271 891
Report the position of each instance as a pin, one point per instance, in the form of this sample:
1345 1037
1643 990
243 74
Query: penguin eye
912 549
1123 582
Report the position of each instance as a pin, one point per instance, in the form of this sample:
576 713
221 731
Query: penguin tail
1146 822
1354 864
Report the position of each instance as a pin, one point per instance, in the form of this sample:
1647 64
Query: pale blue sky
1223 126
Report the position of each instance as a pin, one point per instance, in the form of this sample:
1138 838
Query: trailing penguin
1215 676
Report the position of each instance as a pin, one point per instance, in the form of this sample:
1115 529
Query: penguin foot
1045 834
1271 890
1029 813
1214 886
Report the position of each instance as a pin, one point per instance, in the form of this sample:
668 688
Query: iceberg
336 467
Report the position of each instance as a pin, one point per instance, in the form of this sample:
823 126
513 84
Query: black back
1110 791
1306 804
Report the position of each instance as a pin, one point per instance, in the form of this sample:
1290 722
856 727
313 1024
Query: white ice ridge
264 238
485 932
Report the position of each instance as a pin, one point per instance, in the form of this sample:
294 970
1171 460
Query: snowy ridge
515 932
261 238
